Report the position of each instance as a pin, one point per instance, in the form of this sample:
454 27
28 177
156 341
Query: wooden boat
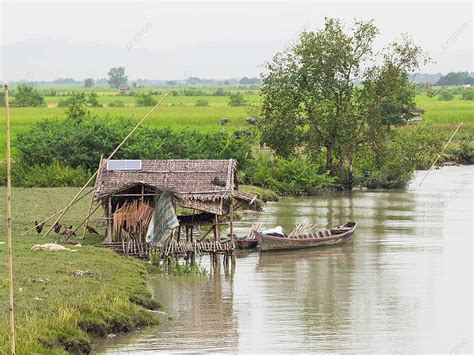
244 243
333 236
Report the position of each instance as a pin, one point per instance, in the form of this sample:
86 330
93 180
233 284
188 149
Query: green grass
55 310
446 112
180 112
265 195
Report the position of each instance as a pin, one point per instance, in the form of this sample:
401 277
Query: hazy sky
164 40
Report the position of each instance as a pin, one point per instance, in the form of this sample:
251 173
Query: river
403 285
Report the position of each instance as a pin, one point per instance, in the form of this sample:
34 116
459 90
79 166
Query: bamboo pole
11 311
90 205
87 218
439 155
53 215
110 157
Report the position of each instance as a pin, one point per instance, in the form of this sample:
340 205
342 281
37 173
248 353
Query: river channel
403 284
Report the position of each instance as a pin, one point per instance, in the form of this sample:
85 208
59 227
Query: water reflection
403 284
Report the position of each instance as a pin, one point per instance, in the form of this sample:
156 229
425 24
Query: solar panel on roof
124 165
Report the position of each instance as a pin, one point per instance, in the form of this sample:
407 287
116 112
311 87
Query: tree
249 81
452 78
467 94
315 79
27 96
445 95
88 83
117 77
144 99
237 99
76 106
93 100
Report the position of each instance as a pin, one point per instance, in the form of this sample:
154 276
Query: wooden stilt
231 224
11 312
90 205
110 221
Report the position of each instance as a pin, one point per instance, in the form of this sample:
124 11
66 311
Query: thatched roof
191 180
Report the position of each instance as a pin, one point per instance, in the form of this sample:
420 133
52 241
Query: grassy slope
65 303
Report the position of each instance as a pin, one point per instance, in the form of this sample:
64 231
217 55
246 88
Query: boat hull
246 243
270 243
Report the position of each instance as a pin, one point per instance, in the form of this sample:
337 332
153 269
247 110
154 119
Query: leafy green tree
453 78
315 79
93 100
117 77
468 94
445 95
27 96
88 83
237 99
144 99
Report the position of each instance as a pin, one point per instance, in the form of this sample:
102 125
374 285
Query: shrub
77 141
144 99
219 92
116 103
53 175
193 92
237 99
465 153
80 139
388 169
468 94
202 103
93 100
27 96
292 176
445 95
50 92
156 143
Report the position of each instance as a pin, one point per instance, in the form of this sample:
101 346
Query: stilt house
208 189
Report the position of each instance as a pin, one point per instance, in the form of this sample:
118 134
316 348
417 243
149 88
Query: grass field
181 112
53 307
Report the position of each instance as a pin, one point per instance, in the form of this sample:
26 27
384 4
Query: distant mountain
48 59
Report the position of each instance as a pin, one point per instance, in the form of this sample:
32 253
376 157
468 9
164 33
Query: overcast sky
167 40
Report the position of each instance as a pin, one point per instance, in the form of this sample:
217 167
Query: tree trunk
350 178
329 158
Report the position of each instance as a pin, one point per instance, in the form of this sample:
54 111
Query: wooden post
231 222
216 228
106 160
110 221
11 323
90 205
